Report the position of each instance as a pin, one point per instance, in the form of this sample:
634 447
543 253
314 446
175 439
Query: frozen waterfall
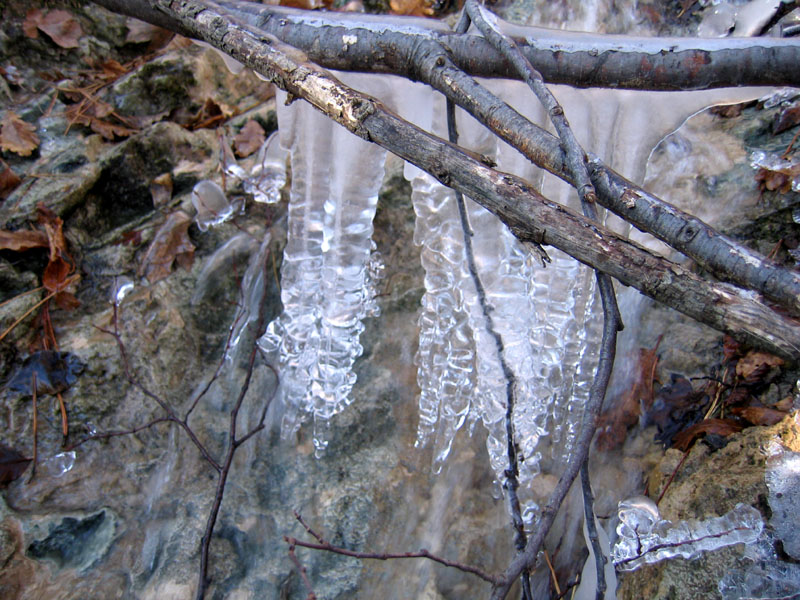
547 320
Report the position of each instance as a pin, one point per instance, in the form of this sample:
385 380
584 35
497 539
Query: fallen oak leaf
721 427
18 136
61 27
170 244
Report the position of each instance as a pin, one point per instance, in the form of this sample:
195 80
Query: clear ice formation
267 175
644 537
212 205
329 263
548 319
783 481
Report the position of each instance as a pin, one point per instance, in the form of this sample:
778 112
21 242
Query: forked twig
422 553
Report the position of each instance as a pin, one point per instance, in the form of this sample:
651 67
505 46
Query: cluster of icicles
548 319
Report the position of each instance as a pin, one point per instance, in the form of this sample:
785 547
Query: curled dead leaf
760 415
17 136
8 180
22 240
755 364
161 189
720 427
171 244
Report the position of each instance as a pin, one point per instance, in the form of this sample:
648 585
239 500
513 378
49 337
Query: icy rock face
644 537
328 264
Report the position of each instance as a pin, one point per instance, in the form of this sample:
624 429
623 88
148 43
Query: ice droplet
121 288
59 464
213 207
269 172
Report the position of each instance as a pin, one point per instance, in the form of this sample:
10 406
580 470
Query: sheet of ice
783 481
644 537
327 273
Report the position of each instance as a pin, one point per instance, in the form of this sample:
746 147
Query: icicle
326 275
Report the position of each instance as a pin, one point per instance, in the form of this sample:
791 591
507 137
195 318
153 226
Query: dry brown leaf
416 8
18 136
756 364
161 189
30 26
8 180
786 119
721 427
140 32
171 244
614 425
62 28
760 415
249 139
92 113
780 180
22 240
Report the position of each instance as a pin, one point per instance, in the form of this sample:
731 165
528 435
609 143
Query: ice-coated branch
582 59
575 157
591 528
530 216
424 50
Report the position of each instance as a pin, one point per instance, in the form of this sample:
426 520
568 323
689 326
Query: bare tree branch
425 55
530 216
579 59
422 553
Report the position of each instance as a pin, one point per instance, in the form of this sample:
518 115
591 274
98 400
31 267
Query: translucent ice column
327 272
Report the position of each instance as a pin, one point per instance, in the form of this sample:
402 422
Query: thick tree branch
529 215
580 59
420 53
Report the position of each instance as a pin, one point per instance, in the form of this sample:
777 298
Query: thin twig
591 528
672 476
112 434
552 572
511 483
303 575
234 443
608 345
392 556
171 416
575 156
